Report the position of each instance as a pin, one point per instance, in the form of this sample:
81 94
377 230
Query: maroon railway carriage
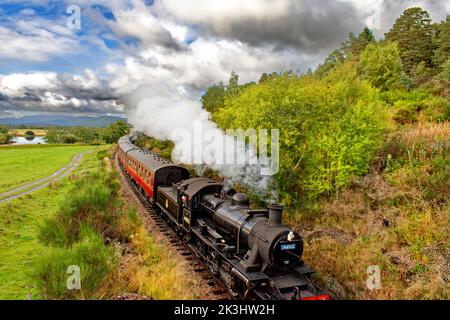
147 169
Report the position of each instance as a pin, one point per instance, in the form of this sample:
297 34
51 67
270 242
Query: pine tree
356 45
233 84
334 59
413 32
214 97
442 43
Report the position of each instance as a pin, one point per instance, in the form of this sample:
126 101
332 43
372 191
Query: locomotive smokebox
275 215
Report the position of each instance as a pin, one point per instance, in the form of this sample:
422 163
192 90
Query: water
28 140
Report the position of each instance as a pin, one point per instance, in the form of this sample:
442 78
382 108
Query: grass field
20 220
20 165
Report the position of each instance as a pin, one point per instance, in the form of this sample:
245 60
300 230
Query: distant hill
66 121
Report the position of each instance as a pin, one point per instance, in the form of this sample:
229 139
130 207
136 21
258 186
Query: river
28 140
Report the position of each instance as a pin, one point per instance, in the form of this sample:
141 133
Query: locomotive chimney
275 215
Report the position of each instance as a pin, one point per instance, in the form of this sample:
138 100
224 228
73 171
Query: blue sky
85 55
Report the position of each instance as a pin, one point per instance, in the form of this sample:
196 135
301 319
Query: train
250 252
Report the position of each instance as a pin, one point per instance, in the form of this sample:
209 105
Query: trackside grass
90 226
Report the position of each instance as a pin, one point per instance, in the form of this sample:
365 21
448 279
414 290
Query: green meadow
20 219
20 165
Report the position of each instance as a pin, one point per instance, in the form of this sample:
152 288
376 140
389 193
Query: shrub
405 115
94 200
90 254
393 96
437 109
102 154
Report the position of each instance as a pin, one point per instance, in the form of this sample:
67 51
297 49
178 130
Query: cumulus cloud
26 36
203 63
306 24
185 45
49 91
37 45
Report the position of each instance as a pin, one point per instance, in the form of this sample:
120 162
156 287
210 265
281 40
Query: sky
53 62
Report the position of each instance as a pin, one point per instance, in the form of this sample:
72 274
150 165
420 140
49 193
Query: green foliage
442 43
422 74
90 254
115 131
5 138
406 113
445 74
102 154
381 65
437 185
87 135
393 96
413 32
92 199
356 45
214 97
332 61
163 148
91 215
330 127
437 109
233 85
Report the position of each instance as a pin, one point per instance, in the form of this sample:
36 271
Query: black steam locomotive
249 251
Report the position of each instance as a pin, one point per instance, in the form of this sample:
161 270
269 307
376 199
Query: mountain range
58 120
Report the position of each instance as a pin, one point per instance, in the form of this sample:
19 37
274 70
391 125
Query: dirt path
202 281
42 183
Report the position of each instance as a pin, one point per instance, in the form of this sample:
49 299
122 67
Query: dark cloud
392 10
308 25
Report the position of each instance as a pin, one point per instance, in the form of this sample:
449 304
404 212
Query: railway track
218 290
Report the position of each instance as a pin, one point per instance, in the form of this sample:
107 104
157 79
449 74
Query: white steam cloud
171 115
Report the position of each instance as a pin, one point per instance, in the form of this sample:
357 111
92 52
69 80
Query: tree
213 99
442 43
381 65
445 74
413 32
266 77
115 131
233 84
356 45
5 137
334 59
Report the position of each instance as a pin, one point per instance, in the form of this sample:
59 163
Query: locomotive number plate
288 246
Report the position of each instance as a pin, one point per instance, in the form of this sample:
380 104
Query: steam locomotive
250 251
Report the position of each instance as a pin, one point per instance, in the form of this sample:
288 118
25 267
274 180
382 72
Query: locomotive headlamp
291 236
